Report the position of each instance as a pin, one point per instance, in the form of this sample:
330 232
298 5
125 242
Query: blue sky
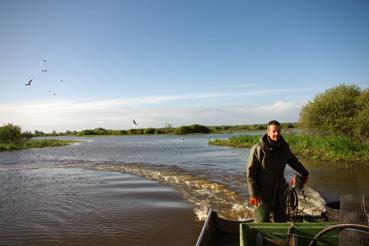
177 62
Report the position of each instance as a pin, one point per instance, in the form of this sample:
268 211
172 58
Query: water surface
136 190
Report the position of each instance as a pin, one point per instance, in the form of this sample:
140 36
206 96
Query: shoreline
332 149
35 143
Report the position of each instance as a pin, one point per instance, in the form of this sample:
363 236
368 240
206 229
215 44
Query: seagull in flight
44 70
29 83
135 123
42 62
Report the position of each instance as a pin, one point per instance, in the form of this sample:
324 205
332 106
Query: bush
11 134
192 129
86 132
183 130
326 148
120 132
100 131
362 119
27 135
332 112
159 131
149 131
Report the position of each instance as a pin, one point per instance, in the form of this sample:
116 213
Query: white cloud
118 113
281 107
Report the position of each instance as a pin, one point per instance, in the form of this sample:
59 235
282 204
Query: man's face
274 132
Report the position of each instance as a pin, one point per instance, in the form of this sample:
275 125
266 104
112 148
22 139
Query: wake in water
313 204
201 192
198 189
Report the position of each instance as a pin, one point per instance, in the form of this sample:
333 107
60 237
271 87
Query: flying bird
43 65
42 62
135 123
29 83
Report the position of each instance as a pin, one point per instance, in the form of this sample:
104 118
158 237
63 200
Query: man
265 174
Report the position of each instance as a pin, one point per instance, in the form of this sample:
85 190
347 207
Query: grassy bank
34 143
310 147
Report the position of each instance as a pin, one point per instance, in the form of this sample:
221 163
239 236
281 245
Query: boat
218 231
303 230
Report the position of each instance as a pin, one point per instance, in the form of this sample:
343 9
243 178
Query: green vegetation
11 134
34 143
336 125
244 141
192 129
340 111
325 148
12 138
245 128
168 129
146 131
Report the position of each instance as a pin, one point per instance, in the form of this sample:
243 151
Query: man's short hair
273 122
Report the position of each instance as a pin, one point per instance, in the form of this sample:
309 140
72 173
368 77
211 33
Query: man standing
265 174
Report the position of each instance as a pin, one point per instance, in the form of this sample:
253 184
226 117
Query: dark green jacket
265 169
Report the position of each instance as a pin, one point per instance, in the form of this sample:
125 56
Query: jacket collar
265 143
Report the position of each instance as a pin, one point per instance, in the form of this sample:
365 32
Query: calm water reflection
54 206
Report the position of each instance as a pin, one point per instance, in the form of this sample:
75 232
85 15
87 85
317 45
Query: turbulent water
132 190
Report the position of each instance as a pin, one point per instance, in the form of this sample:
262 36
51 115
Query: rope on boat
366 213
292 203
340 227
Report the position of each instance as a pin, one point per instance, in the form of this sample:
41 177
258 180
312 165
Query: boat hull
300 233
218 231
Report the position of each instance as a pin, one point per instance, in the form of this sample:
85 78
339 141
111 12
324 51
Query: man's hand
305 179
292 181
254 201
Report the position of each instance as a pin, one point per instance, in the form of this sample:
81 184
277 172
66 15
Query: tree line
339 111
10 133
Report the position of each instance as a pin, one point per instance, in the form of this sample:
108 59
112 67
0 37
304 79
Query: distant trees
252 127
100 131
86 132
192 129
342 110
149 131
168 129
12 134
39 133
145 131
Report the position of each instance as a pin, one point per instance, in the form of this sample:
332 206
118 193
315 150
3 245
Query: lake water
137 190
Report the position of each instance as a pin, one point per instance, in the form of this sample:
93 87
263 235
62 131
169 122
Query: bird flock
43 69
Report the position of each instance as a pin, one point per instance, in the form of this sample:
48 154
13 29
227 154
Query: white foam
314 202
201 192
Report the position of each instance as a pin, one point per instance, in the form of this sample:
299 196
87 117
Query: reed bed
34 143
325 148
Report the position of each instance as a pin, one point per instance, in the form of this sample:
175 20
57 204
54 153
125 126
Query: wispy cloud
118 113
232 86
